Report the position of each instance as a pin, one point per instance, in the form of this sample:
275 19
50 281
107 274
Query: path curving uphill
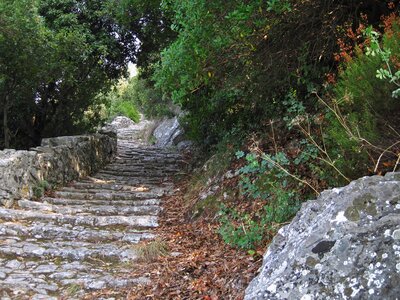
82 238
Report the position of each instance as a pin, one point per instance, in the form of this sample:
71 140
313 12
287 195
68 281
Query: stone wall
58 160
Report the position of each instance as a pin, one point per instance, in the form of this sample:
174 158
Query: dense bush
127 109
233 62
237 68
149 99
364 108
118 102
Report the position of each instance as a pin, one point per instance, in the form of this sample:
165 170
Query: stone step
142 176
99 210
49 276
61 284
149 161
91 187
130 180
142 167
150 151
70 250
62 201
150 157
134 159
119 189
88 220
49 231
145 174
109 195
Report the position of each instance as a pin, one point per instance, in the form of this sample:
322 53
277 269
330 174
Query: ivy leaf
382 74
396 93
239 154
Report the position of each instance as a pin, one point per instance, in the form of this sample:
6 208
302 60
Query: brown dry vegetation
197 265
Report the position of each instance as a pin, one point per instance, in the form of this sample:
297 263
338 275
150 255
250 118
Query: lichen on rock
343 245
57 160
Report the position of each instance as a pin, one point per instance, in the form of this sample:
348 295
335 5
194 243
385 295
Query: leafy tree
151 25
56 56
233 62
22 39
148 98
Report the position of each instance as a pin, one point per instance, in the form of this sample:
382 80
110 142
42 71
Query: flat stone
14 264
48 287
45 269
43 297
63 275
96 285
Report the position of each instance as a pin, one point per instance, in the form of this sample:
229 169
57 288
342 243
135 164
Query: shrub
364 103
149 99
274 199
127 109
248 230
40 188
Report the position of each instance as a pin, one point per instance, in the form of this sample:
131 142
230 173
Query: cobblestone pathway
83 237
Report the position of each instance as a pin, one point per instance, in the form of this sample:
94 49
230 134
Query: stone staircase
82 237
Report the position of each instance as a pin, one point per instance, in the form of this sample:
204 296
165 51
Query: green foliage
384 54
148 23
40 188
192 67
232 63
261 179
360 89
240 230
259 175
149 99
363 103
127 109
248 231
119 102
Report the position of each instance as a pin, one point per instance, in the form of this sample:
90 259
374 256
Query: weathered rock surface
57 160
169 133
344 245
127 130
82 237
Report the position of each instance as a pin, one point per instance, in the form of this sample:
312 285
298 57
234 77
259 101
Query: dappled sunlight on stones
57 160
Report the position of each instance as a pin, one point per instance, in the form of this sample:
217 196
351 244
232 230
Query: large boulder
119 122
169 133
344 245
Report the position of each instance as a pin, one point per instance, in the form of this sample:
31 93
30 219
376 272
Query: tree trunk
38 127
5 124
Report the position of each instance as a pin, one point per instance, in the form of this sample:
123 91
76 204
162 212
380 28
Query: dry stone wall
58 160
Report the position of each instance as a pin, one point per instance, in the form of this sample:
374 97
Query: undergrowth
326 135
40 188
